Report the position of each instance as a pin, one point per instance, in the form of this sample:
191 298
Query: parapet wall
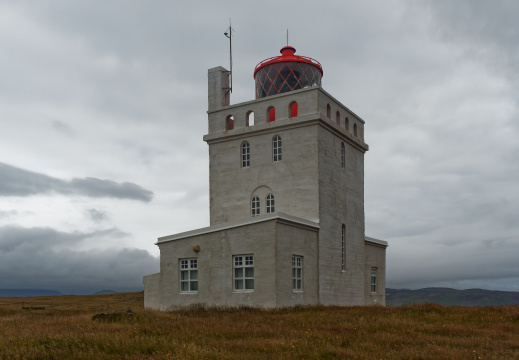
313 100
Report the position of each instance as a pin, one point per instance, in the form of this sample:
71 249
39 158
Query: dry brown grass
66 331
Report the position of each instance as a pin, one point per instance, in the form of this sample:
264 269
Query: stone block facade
286 183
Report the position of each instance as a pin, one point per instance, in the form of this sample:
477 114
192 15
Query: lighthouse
286 187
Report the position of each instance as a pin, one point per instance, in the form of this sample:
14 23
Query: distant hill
450 297
27 292
102 292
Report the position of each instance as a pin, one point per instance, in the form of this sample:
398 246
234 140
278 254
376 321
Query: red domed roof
287 72
287 54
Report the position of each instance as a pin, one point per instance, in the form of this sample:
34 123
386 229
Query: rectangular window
373 279
343 248
243 272
188 275
245 155
342 155
270 204
297 273
276 148
255 206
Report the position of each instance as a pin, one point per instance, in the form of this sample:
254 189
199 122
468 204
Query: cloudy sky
103 108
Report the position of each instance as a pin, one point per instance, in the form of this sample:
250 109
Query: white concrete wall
152 291
308 183
341 201
292 240
218 88
272 246
293 180
375 257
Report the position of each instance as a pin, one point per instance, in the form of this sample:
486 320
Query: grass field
65 330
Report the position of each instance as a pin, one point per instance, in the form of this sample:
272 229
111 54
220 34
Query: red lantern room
287 72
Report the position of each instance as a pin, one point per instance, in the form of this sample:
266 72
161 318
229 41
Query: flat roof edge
238 223
375 241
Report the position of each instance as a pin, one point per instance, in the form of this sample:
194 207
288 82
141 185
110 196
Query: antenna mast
228 34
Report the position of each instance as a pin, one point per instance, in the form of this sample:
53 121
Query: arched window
342 155
328 111
347 124
255 206
261 192
270 204
245 154
293 109
338 118
355 129
229 122
250 118
271 113
276 148
343 248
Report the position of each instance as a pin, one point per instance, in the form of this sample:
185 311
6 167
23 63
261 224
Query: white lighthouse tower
286 183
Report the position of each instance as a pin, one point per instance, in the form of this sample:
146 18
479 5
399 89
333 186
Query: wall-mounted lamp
196 248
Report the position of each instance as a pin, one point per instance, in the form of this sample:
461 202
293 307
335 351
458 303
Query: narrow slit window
271 112
277 148
293 109
297 273
373 279
343 248
343 151
245 155
250 118
229 123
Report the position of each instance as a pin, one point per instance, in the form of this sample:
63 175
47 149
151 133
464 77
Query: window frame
343 155
188 266
373 280
297 276
270 204
243 262
229 123
271 113
277 148
245 154
292 109
343 248
255 206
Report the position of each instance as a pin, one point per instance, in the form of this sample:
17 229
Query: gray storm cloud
19 182
55 262
436 82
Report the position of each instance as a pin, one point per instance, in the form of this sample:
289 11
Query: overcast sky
103 108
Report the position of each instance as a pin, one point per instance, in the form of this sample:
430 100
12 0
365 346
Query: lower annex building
286 184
